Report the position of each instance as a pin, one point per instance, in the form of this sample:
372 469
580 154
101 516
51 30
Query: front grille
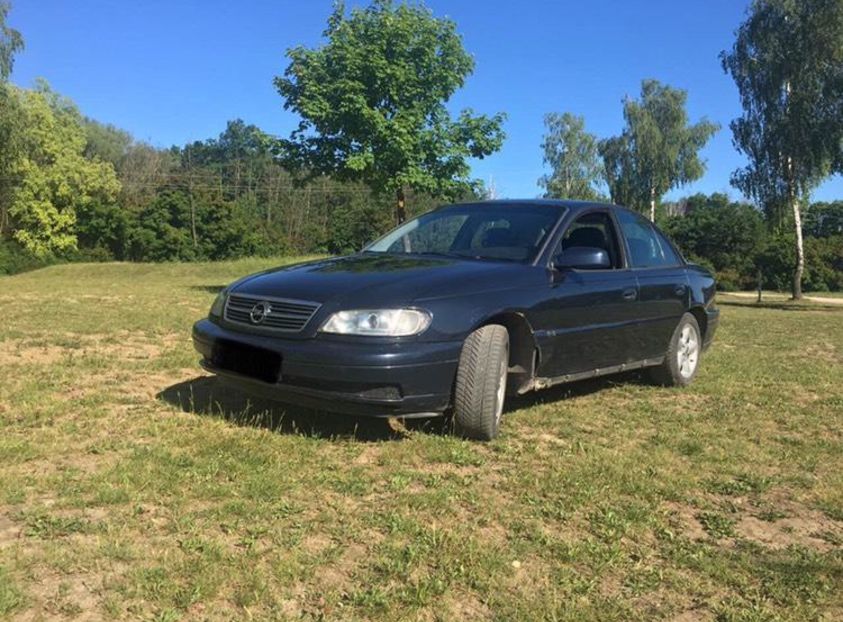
279 314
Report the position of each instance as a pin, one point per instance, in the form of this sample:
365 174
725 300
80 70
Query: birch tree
573 157
787 62
658 149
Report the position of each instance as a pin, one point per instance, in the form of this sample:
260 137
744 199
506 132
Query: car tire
480 388
682 359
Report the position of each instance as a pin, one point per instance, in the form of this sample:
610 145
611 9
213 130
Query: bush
823 263
97 254
162 230
100 231
726 234
14 258
730 280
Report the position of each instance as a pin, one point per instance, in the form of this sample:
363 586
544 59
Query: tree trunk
190 199
800 251
401 216
193 218
270 196
400 211
652 204
793 195
192 208
4 216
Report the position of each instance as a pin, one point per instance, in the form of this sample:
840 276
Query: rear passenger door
663 290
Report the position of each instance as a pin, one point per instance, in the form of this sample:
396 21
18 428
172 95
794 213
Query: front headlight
378 322
219 304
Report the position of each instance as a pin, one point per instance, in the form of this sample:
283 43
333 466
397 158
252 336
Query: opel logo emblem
259 312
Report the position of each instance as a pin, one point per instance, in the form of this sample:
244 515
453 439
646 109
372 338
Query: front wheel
683 355
481 383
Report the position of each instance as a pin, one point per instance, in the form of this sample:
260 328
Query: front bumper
348 376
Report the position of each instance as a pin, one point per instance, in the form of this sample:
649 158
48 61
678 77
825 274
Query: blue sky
177 70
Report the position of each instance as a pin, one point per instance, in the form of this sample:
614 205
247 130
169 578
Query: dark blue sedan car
457 308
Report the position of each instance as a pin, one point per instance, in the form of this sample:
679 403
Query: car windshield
502 232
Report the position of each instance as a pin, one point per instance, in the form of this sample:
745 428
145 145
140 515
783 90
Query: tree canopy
573 156
372 101
658 150
54 177
11 42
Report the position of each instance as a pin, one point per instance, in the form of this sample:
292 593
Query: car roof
571 204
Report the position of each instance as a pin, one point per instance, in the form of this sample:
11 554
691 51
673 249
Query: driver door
588 321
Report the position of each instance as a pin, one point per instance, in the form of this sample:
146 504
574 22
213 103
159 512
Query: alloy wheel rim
688 353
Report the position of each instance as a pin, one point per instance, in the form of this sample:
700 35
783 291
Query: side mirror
582 258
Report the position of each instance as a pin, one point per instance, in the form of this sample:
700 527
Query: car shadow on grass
207 396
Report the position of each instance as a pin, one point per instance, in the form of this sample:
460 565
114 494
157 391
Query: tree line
376 142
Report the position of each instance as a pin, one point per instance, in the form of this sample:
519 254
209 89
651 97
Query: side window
670 255
596 230
645 249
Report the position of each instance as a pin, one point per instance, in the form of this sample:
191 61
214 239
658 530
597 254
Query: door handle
679 290
630 294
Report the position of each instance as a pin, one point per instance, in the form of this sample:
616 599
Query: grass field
131 487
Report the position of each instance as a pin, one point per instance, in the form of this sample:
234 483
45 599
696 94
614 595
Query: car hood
373 280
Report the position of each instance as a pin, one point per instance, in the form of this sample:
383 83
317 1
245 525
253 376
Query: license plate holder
247 360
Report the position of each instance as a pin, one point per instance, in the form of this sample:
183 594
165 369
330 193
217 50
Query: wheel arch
523 350
702 319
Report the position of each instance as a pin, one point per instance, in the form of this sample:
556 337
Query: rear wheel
481 383
683 355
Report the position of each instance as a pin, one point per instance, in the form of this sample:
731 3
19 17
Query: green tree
142 169
372 101
823 265
573 157
619 169
54 178
823 220
787 62
162 231
657 151
723 234
106 142
11 42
